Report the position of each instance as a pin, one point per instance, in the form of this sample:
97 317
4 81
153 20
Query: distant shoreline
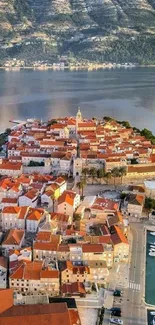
89 67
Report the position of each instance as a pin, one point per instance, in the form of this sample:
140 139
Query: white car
116 321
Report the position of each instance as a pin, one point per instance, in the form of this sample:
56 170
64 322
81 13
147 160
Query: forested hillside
97 30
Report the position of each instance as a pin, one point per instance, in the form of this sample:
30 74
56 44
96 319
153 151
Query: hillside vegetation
97 30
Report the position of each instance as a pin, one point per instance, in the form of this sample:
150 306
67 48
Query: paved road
133 308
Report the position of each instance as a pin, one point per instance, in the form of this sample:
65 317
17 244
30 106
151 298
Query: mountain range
77 31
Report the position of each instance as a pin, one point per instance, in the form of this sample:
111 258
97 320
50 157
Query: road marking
134 286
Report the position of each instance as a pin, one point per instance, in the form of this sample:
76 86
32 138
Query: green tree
123 195
80 185
149 203
134 161
52 122
107 118
76 217
8 131
126 124
115 173
108 176
123 172
100 173
85 172
148 135
93 173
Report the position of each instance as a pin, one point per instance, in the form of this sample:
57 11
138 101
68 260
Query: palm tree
53 200
93 173
80 185
123 172
85 172
100 173
108 176
115 173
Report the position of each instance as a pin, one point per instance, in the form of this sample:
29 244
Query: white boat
151 253
153 321
152 250
152 313
152 246
152 233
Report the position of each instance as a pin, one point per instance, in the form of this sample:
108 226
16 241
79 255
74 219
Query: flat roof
150 184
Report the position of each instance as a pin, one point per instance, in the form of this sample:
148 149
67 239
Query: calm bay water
125 94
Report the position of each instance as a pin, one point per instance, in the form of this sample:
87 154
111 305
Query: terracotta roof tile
68 197
59 217
45 246
54 314
32 194
73 288
6 300
9 200
118 237
14 237
11 166
92 248
49 274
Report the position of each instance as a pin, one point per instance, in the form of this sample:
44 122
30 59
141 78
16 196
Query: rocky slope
96 30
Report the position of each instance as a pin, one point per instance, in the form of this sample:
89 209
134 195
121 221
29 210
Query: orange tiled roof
32 194
19 211
43 236
14 237
118 237
59 217
77 269
34 215
92 248
45 246
72 288
11 166
54 314
86 124
68 197
6 300
104 204
60 180
32 270
11 210
9 200
49 274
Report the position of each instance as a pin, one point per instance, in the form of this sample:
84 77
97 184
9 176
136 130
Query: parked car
116 309
117 293
116 313
116 321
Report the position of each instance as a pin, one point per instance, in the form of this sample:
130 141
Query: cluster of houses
52 241
42 248
68 145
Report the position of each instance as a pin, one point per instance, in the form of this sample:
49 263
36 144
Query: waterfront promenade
134 311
